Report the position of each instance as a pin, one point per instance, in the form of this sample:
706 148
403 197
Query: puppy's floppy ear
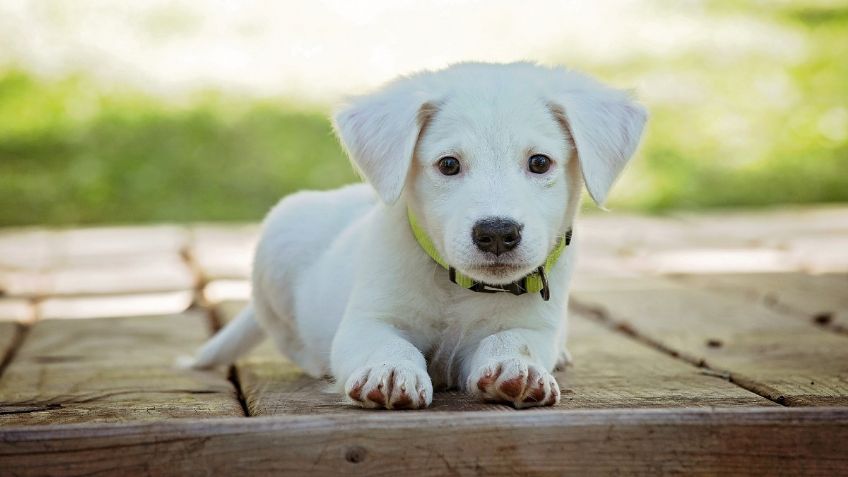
380 132
605 125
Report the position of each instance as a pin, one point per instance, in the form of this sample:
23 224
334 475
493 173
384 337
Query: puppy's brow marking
559 115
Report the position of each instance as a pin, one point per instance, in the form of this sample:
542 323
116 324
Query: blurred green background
728 128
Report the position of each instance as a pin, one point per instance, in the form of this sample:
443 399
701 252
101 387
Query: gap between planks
20 333
21 330
214 321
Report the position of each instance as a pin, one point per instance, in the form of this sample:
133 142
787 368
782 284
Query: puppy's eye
449 166
539 163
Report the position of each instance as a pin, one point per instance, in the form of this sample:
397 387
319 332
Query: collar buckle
516 288
546 290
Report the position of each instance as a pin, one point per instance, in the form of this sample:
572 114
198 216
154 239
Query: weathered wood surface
609 371
76 266
613 371
39 249
638 338
16 309
777 356
156 273
8 335
552 442
224 252
115 369
779 240
819 299
105 306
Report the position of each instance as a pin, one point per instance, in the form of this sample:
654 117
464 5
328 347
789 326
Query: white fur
345 290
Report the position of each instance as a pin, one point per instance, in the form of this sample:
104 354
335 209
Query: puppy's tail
235 339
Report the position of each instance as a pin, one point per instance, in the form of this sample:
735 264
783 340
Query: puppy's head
491 158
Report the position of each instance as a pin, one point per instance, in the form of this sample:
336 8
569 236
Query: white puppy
478 171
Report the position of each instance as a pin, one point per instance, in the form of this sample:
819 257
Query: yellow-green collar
535 282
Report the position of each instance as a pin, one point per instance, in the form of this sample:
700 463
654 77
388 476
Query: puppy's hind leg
235 339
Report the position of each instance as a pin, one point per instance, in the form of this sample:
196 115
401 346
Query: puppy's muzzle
496 235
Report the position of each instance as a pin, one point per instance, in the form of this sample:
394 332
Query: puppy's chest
446 333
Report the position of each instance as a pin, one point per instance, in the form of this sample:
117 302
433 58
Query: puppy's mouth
499 272
498 268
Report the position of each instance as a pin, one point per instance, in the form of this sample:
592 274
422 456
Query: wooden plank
819 299
107 370
117 244
822 253
775 441
8 335
609 371
763 350
25 248
764 225
614 371
157 273
110 306
734 241
16 309
223 252
39 249
225 290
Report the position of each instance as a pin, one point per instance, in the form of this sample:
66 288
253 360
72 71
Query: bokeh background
188 110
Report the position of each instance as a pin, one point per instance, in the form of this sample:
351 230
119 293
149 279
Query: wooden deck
702 344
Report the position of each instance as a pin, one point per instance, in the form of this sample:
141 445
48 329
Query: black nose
496 235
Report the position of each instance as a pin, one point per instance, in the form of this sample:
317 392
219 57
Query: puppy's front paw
391 386
515 382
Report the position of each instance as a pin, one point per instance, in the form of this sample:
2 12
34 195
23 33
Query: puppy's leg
379 368
513 366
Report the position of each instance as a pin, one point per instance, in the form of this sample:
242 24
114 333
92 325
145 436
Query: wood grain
224 252
803 239
42 249
107 370
754 441
157 273
108 306
819 299
16 309
8 334
775 355
609 371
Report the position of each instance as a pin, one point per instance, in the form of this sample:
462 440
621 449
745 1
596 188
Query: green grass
760 133
71 156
